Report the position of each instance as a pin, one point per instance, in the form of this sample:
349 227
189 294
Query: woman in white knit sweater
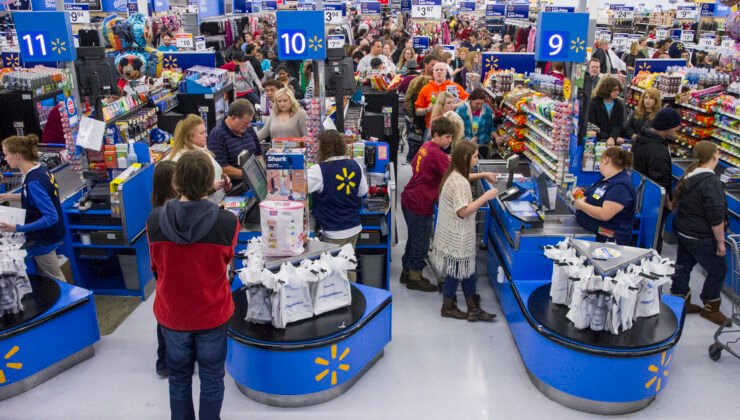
454 248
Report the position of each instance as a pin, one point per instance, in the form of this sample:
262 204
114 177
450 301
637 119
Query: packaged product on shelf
286 175
283 228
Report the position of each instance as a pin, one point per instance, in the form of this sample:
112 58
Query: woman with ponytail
700 226
607 208
44 226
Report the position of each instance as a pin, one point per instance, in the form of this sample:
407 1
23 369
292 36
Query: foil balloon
729 3
732 25
155 61
141 29
131 65
110 31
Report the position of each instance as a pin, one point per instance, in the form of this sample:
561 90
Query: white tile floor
433 369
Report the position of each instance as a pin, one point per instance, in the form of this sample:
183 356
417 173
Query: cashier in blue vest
337 186
607 208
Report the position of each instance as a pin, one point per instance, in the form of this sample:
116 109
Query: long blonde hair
439 106
641 112
402 60
469 60
459 126
183 139
294 105
634 48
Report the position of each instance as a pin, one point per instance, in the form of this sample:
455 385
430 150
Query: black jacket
603 57
634 126
701 205
610 124
652 158
257 66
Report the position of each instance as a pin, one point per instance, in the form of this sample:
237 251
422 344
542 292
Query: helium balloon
131 65
732 25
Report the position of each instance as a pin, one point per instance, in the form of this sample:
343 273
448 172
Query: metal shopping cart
732 327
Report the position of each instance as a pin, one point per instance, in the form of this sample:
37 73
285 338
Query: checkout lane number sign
301 35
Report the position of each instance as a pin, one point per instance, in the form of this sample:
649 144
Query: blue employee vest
52 234
618 189
337 206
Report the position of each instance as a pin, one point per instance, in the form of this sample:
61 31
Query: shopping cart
715 350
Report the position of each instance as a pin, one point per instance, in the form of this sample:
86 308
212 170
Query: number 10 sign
301 35
561 37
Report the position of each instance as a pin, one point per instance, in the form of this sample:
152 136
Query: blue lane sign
421 43
405 6
560 9
242 6
707 9
370 8
301 35
467 6
495 10
517 11
44 36
269 6
561 37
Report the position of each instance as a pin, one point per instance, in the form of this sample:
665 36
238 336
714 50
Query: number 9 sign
556 44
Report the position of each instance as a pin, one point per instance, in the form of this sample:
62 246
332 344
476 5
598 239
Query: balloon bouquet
731 61
132 39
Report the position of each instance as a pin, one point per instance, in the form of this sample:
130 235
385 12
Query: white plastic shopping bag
333 290
282 228
292 300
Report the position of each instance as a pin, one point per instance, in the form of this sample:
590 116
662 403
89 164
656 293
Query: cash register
527 211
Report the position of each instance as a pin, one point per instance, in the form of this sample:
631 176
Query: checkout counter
318 359
595 372
58 326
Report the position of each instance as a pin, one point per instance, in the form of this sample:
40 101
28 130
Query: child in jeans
454 249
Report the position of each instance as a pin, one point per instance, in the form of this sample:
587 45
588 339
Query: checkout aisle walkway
433 369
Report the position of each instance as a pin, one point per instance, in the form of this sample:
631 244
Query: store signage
467 6
306 5
658 65
269 6
421 43
183 40
560 9
520 62
685 12
333 13
562 37
18 5
728 42
183 60
335 41
620 41
160 5
200 43
517 11
622 12
449 47
301 35
675 34
78 13
114 5
426 9
92 5
405 6
242 6
687 36
370 8
495 10
44 36
707 40
707 9
661 33
132 6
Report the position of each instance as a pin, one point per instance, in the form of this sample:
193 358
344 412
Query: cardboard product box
286 175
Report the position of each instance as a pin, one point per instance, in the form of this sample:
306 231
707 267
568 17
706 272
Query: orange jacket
432 89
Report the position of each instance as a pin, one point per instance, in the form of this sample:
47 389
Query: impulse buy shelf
109 254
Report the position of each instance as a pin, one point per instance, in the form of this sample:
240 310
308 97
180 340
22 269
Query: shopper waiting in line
233 49
607 112
414 123
408 56
455 245
472 65
607 208
418 198
233 135
478 119
459 62
287 118
376 50
247 84
653 159
602 53
163 190
634 54
283 76
39 196
700 224
445 102
190 134
268 99
428 94
337 184
647 108
191 242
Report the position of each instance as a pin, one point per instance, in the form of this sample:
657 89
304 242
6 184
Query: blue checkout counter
589 371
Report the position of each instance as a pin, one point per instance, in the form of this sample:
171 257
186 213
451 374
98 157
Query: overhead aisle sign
301 35
707 10
44 36
467 7
560 9
562 37
517 11
496 10
243 6
421 43
426 9
370 8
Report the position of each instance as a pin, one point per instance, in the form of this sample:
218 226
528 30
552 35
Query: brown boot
475 313
690 307
417 282
711 312
449 310
404 276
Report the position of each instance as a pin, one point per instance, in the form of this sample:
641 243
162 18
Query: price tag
687 36
335 41
333 14
623 12
661 33
728 42
78 13
707 40
184 41
426 9
200 43
686 12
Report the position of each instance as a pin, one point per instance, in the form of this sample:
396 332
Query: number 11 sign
44 36
561 37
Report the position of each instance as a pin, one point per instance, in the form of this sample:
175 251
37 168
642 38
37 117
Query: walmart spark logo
577 45
659 372
58 46
12 60
346 181
315 43
644 67
492 62
170 63
10 365
341 366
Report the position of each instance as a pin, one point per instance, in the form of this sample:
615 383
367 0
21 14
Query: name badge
599 193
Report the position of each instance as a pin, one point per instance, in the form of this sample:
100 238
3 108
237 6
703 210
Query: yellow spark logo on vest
347 183
10 365
659 372
323 362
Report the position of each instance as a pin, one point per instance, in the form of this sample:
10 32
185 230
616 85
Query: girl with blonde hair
287 118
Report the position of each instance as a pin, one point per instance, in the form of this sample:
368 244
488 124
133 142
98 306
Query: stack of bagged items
294 293
14 283
606 303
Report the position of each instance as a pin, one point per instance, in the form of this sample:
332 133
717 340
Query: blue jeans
704 252
450 287
417 242
183 349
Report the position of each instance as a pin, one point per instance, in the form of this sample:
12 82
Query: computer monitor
543 198
96 72
255 175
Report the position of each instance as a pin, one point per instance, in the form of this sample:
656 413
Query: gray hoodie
186 222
